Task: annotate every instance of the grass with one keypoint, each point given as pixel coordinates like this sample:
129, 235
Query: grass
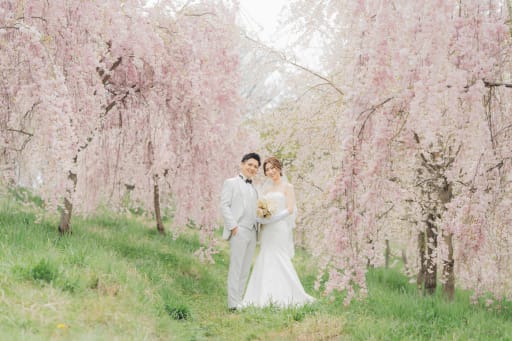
115, 278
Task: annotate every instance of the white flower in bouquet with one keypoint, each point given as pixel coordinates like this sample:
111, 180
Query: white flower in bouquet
265, 208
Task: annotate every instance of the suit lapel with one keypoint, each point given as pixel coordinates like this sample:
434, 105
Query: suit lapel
242, 192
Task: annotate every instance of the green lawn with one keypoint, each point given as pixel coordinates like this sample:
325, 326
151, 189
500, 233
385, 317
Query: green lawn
115, 278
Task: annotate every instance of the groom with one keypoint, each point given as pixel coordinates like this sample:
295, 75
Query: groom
238, 205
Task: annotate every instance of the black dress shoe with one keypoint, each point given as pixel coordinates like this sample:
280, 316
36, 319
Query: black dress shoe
232, 310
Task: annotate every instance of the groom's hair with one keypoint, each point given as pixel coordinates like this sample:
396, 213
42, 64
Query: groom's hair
252, 156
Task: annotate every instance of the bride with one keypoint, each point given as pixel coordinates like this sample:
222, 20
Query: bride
274, 280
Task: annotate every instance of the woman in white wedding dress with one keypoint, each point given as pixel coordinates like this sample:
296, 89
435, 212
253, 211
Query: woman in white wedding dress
274, 280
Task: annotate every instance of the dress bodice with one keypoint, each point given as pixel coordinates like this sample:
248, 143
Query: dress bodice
277, 200
276, 233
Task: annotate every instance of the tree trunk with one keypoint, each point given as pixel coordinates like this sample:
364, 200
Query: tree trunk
387, 253
509, 5
431, 241
448, 273
65, 217
407, 268
67, 210
404, 259
158, 216
422, 244
369, 264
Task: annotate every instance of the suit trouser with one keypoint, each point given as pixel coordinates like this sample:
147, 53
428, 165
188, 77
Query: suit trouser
242, 247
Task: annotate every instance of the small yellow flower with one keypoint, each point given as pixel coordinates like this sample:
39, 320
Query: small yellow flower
62, 326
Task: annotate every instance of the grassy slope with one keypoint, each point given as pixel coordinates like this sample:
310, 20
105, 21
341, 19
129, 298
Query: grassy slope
116, 279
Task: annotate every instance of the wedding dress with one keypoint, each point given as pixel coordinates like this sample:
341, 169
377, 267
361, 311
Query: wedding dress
274, 280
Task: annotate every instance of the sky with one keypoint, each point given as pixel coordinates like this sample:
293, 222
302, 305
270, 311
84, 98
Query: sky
258, 16
261, 16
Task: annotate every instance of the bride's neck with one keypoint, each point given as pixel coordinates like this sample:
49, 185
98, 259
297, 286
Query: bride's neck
277, 183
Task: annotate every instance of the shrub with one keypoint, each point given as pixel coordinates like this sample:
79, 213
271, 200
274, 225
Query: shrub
44, 271
178, 312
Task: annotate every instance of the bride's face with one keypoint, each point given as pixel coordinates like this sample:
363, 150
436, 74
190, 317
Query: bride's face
272, 172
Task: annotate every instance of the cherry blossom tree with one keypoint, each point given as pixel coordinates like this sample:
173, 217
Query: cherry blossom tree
422, 95
104, 97
192, 139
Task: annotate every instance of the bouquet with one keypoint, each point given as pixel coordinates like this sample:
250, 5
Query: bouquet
264, 209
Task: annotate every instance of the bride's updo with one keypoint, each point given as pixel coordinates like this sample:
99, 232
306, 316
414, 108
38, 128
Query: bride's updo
274, 161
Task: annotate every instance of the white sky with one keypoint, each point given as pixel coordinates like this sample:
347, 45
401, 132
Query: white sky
261, 16
261, 19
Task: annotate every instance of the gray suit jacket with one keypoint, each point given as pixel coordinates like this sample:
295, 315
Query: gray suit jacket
233, 204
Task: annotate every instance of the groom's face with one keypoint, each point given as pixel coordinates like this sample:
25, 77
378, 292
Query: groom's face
249, 168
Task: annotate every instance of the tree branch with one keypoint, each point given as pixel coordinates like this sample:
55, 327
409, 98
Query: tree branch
25, 142
327, 81
371, 111
497, 84
20, 131
32, 17
311, 183
382, 215
499, 164
310, 89
287, 60
116, 63
502, 130
31, 109
198, 14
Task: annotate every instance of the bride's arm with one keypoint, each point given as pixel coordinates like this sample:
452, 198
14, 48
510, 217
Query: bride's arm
275, 217
290, 207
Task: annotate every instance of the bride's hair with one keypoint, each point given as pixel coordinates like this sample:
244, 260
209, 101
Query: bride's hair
274, 161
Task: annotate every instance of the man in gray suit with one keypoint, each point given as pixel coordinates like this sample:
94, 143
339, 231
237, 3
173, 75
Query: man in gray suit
238, 205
